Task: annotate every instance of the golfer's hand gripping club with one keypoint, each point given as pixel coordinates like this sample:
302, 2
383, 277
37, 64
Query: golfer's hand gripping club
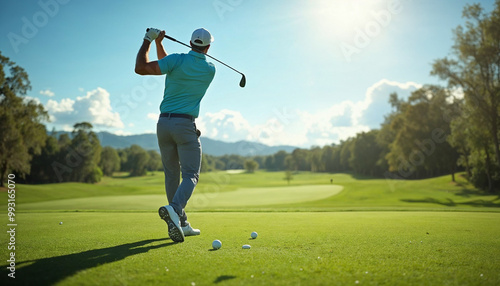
243, 80
151, 34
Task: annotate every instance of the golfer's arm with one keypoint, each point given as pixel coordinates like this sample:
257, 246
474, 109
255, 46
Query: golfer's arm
160, 51
142, 64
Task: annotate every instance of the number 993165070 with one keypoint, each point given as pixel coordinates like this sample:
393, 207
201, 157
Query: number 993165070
11, 202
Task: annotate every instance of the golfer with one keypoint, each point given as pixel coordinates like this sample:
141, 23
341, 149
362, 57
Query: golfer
187, 80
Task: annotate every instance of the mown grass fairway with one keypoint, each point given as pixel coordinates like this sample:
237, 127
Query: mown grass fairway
410, 248
111, 236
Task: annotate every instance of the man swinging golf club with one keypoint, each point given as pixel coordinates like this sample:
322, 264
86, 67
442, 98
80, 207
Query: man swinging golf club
188, 78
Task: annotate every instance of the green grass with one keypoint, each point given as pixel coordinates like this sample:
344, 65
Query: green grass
333, 248
244, 197
217, 190
355, 231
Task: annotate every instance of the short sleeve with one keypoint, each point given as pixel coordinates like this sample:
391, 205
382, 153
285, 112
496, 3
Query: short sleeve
168, 63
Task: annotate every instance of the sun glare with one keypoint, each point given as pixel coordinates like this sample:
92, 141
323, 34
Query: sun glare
341, 18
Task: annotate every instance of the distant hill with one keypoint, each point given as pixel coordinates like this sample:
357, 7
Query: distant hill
210, 146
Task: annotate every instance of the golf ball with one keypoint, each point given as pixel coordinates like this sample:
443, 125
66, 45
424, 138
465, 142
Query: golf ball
216, 244
60, 222
254, 235
246, 246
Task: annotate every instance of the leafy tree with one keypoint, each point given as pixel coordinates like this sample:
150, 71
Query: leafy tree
110, 161
330, 158
289, 163
485, 173
124, 164
459, 138
207, 163
251, 166
84, 153
475, 68
210, 163
233, 162
219, 164
288, 176
345, 155
301, 160
23, 134
279, 160
420, 148
154, 163
41, 172
269, 163
317, 164
63, 140
261, 160
137, 160
365, 154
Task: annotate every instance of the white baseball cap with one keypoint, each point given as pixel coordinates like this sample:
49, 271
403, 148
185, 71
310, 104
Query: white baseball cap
201, 37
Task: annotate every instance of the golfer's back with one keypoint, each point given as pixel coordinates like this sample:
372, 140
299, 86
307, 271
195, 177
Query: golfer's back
187, 80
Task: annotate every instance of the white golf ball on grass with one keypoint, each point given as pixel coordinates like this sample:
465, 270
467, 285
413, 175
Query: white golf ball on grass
216, 244
254, 235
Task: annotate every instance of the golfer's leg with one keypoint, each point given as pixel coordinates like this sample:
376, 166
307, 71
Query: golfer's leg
169, 158
190, 158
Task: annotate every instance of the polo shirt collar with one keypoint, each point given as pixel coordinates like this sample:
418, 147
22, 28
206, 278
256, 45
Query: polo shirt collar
196, 54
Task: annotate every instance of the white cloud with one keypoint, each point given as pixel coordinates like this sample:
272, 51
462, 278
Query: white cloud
153, 116
67, 128
65, 106
121, 133
375, 106
94, 107
324, 126
47, 92
27, 99
225, 124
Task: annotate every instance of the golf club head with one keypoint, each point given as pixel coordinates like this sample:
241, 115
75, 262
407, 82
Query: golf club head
243, 80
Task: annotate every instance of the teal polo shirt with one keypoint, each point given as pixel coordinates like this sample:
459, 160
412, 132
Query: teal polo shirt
187, 81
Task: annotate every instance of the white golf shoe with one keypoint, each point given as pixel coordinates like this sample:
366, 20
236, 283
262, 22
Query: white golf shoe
168, 214
189, 231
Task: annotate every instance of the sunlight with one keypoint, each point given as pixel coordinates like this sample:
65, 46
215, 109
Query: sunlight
340, 18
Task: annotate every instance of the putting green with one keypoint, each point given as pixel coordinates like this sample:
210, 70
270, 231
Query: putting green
246, 197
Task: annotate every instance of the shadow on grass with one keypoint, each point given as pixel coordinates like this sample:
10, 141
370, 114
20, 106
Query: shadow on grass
223, 278
450, 203
50, 271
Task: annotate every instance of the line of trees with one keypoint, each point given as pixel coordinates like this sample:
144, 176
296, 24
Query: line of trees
83, 159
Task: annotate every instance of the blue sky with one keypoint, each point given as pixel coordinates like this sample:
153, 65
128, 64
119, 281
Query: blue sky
317, 71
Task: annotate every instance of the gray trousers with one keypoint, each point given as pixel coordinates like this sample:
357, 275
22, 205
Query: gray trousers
180, 150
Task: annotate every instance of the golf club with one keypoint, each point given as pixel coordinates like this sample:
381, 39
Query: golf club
243, 80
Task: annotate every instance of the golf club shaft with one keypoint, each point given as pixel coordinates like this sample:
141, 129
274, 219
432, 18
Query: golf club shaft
175, 40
